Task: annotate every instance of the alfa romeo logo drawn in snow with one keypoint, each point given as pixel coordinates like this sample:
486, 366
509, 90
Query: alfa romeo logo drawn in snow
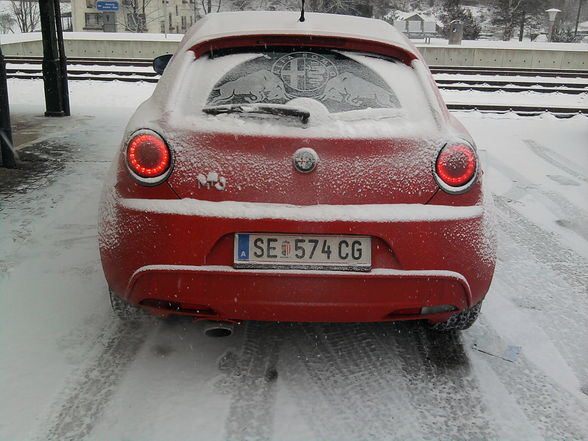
341, 84
304, 72
305, 160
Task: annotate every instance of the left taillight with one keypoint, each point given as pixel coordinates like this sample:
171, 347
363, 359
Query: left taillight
148, 158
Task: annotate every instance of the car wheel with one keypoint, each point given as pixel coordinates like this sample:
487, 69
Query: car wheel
123, 310
460, 321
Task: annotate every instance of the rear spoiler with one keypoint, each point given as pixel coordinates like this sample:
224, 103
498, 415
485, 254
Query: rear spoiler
348, 44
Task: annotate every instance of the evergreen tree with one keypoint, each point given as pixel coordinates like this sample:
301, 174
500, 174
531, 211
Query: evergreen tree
510, 13
565, 35
452, 10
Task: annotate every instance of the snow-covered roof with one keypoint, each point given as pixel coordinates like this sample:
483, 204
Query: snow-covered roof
406, 16
400, 15
228, 24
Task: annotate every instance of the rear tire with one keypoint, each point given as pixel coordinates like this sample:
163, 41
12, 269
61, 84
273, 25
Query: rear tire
460, 321
125, 311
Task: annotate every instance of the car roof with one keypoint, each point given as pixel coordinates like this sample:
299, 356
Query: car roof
233, 24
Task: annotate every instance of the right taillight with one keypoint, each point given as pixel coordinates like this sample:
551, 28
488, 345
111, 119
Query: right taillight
148, 158
456, 167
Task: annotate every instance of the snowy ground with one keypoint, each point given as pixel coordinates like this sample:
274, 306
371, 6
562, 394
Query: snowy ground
70, 371
516, 98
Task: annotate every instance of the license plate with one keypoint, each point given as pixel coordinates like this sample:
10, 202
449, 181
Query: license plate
313, 252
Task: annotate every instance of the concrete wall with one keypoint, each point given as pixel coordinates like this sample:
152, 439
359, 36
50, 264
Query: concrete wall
119, 48
97, 48
539, 58
435, 55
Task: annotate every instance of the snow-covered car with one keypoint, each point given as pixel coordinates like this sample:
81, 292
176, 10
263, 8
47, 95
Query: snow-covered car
288, 170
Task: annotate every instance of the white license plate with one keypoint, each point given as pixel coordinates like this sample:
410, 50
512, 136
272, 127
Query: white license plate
345, 253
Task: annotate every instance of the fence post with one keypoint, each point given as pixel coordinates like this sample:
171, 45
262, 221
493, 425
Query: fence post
54, 72
8, 157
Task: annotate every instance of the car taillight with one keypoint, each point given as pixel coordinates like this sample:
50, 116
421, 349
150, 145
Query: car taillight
456, 167
148, 157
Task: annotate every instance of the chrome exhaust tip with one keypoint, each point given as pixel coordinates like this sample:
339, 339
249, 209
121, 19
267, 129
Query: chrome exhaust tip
218, 329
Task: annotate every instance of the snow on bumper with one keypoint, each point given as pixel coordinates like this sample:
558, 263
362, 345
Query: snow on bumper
176, 256
320, 213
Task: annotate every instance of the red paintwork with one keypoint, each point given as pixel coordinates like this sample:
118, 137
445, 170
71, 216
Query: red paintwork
297, 297
251, 164
134, 245
162, 239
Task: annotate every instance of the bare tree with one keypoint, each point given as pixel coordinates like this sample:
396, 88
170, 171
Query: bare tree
241, 5
348, 7
6, 23
138, 14
26, 13
208, 6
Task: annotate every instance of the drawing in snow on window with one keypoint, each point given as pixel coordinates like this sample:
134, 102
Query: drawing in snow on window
338, 82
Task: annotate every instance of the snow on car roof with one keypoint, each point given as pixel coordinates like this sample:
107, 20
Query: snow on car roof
232, 24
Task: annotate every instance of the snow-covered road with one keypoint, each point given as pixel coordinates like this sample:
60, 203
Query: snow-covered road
69, 370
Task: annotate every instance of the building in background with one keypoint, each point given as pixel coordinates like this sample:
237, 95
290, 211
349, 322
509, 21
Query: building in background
66, 22
158, 16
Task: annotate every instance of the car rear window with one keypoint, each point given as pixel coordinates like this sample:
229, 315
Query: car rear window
340, 83
345, 94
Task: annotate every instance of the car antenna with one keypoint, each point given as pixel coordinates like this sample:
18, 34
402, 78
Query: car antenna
302, 12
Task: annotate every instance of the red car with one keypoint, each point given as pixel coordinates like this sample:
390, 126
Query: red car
289, 170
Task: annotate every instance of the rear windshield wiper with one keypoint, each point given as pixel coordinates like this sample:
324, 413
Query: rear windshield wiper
271, 109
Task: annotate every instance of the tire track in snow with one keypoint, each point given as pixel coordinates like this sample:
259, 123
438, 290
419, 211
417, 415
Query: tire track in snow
549, 407
444, 392
83, 401
253, 384
323, 409
573, 217
543, 245
350, 390
554, 158
555, 286
559, 309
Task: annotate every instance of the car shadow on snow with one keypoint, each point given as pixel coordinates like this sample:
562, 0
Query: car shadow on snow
443, 351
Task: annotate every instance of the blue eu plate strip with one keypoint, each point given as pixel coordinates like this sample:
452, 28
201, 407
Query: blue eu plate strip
243, 247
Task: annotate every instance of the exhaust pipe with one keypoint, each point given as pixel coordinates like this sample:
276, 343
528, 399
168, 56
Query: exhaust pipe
218, 329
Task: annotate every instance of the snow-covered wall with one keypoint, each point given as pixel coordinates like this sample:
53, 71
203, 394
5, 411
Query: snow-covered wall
518, 57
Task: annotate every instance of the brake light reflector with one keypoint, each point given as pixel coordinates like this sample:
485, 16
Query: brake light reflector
456, 165
148, 156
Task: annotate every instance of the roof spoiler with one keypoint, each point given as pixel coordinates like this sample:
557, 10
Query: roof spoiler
349, 44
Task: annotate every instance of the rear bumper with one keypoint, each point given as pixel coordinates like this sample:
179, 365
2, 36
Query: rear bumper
176, 257
221, 292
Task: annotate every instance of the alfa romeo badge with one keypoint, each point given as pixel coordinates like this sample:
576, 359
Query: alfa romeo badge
305, 160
